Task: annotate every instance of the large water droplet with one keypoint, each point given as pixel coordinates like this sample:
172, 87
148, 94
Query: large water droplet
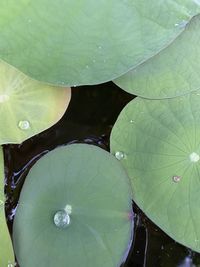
61, 219
24, 125
194, 157
119, 155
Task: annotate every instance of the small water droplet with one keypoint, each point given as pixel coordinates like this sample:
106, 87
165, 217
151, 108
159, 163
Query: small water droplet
87, 67
68, 209
176, 178
194, 157
132, 121
24, 125
61, 219
4, 98
181, 24
119, 155
94, 60
100, 47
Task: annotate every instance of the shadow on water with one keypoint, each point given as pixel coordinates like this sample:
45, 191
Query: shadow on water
89, 119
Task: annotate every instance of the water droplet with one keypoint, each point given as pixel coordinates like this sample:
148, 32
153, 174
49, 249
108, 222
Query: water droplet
61, 219
24, 125
132, 121
4, 98
176, 178
119, 155
100, 47
74, 85
68, 209
181, 24
87, 67
194, 157
94, 60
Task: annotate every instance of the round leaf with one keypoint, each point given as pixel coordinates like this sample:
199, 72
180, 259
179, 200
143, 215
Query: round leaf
74, 210
6, 249
87, 42
172, 72
160, 141
27, 107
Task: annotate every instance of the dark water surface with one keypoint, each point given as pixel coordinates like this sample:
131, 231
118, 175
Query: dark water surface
92, 112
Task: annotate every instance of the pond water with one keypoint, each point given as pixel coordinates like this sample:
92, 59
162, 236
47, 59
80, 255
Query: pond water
89, 119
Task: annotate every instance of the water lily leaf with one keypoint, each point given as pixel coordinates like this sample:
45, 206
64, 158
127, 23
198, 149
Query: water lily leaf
172, 72
27, 107
87, 42
74, 209
6, 249
159, 144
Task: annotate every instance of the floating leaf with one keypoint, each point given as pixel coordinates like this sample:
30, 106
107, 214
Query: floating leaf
87, 42
6, 249
27, 107
160, 140
172, 72
74, 210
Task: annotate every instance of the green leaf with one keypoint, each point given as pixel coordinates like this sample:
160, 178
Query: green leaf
6, 249
87, 42
160, 142
172, 72
27, 107
92, 189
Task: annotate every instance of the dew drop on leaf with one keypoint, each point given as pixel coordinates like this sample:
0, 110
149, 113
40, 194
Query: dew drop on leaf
24, 125
61, 219
176, 178
119, 155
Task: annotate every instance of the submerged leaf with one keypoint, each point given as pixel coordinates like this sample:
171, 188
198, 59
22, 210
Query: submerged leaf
75, 210
161, 141
172, 72
87, 42
6, 249
27, 107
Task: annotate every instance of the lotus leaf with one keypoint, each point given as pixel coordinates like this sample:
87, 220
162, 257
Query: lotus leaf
75, 210
160, 144
6, 249
27, 107
87, 42
172, 72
